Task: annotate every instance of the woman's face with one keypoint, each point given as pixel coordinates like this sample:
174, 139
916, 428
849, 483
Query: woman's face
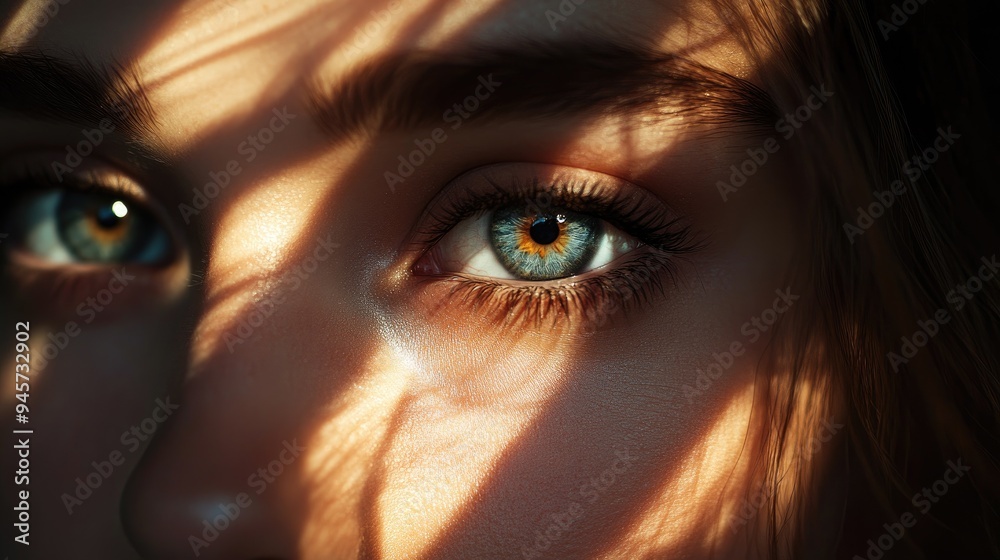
407, 280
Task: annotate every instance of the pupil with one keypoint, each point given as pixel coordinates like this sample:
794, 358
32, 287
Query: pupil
106, 217
545, 230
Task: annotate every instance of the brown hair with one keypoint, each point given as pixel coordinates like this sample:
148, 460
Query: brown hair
901, 81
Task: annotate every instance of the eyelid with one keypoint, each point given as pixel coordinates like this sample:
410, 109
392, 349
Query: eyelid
92, 175
626, 206
35, 172
114, 182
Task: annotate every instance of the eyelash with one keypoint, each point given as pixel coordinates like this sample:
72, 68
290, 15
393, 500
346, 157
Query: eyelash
590, 297
31, 177
64, 285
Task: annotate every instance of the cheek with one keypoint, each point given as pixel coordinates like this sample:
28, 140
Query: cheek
479, 436
462, 399
99, 382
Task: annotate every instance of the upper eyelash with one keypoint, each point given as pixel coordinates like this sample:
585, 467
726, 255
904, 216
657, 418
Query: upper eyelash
39, 177
652, 226
27, 178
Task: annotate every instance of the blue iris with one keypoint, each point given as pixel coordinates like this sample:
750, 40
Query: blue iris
547, 246
92, 231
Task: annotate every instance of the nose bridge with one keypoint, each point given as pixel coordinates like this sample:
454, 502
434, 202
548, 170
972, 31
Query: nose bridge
260, 297
223, 478
282, 333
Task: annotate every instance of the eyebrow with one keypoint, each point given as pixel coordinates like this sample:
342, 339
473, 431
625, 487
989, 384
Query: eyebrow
76, 90
536, 80
409, 90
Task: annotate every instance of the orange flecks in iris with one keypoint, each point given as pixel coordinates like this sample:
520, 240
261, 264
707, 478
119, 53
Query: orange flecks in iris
102, 233
529, 246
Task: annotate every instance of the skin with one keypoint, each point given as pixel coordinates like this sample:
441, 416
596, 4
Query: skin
428, 430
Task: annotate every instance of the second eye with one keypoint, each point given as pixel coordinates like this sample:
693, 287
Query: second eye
85, 227
516, 243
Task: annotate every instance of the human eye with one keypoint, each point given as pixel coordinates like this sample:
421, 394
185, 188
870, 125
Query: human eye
539, 242
80, 227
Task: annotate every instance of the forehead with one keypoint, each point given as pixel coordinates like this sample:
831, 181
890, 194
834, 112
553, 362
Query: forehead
206, 62
408, 23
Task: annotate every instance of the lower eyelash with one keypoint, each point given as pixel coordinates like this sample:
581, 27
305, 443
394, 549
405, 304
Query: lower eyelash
588, 303
57, 290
